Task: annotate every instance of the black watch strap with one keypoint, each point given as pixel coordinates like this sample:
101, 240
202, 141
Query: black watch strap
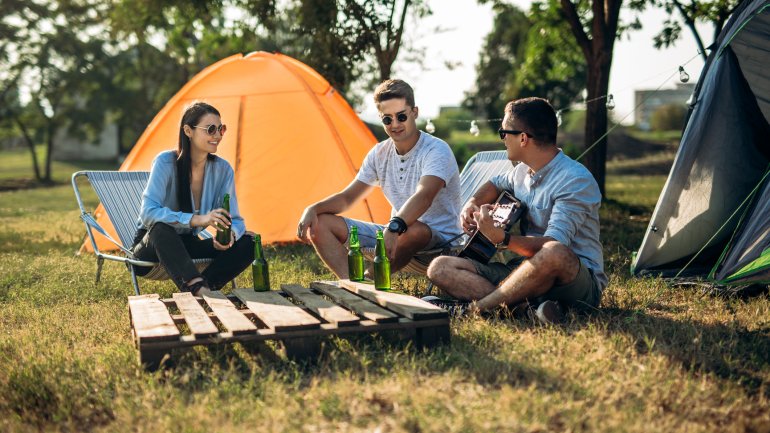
398, 224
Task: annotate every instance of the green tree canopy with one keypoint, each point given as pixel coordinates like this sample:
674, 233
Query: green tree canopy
526, 55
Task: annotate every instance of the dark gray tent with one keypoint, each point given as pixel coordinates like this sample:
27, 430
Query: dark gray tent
713, 216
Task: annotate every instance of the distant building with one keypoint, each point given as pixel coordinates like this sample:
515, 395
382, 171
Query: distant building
647, 101
104, 148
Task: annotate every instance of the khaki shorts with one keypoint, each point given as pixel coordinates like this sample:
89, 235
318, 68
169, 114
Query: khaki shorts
582, 293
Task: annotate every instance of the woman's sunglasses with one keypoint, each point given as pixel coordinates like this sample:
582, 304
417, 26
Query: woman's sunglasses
212, 129
401, 117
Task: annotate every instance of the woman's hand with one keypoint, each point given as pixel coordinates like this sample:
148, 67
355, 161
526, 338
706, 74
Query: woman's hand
217, 218
221, 247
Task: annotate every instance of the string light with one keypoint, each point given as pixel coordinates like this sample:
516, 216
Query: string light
610, 102
474, 129
430, 128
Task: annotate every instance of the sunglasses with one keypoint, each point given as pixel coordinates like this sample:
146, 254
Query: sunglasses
502, 133
212, 129
401, 117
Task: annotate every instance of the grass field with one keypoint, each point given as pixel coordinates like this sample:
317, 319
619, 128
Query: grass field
652, 359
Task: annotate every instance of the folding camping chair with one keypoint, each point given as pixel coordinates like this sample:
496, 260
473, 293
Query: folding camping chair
482, 167
120, 193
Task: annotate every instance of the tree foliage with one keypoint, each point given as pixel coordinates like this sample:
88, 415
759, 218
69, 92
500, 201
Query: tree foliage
715, 12
73, 64
55, 57
499, 62
526, 55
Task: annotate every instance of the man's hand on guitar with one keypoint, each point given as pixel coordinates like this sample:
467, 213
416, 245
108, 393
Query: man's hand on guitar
487, 224
467, 219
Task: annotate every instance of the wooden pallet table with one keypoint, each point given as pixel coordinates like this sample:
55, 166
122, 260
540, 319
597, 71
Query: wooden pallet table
297, 316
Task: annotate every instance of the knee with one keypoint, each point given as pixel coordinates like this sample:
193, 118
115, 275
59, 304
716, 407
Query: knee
328, 224
554, 255
438, 268
245, 246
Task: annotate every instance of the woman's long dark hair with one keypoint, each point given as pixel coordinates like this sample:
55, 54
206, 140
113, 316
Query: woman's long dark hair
192, 115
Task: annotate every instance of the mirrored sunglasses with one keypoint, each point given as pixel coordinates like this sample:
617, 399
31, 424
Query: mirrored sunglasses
212, 129
401, 117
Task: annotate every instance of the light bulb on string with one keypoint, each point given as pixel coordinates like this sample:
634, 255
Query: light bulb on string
558, 118
430, 128
683, 75
474, 129
584, 94
610, 102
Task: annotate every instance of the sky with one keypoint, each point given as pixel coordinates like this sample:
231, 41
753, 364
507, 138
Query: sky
637, 65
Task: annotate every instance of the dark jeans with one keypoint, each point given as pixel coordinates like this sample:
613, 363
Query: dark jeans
175, 251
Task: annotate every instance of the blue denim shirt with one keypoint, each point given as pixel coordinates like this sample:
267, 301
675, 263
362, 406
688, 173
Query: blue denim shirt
563, 202
160, 204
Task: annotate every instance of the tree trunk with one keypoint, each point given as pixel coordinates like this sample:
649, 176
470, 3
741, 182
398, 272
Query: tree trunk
31, 145
596, 118
49, 153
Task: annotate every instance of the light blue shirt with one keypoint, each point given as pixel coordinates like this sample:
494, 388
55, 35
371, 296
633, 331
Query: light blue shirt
160, 204
563, 202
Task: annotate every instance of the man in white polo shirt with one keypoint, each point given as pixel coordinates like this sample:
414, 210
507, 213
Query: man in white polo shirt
418, 175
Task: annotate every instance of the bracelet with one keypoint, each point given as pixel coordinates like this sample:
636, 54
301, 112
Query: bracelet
504, 243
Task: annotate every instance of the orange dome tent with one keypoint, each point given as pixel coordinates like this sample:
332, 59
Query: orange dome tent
291, 138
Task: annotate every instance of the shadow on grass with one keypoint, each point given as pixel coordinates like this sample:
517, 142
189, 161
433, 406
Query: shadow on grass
731, 352
363, 357
12, 242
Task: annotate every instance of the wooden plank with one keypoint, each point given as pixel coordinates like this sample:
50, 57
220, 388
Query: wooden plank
231, 318
194, 315
151, 319
275, 311
327, 310
409, 306
356, 303
366, 326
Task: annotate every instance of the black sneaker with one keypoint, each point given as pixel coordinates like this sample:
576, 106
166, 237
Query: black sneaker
455, 307
549, 313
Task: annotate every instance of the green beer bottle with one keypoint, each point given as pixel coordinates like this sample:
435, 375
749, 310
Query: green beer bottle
355, 257
223, 233
259, 267
381, 265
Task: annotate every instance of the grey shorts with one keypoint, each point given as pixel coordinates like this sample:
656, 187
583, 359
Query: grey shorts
582, 293
367, 234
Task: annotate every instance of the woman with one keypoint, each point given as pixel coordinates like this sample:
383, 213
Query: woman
184, 196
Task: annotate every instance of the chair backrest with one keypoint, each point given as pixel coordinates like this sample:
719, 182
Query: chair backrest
121, 195
482, 167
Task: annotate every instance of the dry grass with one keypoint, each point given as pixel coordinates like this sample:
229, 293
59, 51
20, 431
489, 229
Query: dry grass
653, 358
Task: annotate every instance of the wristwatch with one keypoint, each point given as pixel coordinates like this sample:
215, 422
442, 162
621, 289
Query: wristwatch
397, 225
504, 243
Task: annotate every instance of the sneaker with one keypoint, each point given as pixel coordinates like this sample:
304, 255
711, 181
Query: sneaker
455, 307
521, 311
549, 313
